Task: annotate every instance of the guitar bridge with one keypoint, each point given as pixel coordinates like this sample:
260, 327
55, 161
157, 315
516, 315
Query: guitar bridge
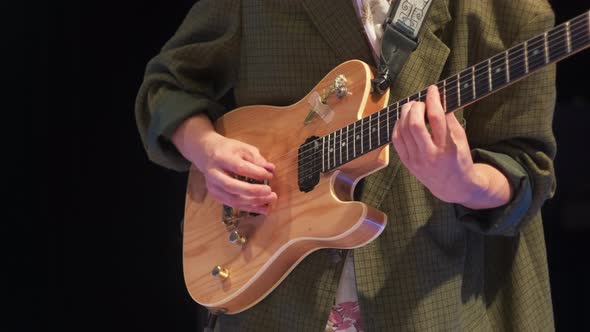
231, 216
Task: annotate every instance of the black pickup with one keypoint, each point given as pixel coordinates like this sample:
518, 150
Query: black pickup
308, 162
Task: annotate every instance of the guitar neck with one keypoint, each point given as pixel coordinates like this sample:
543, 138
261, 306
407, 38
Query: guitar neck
460, 90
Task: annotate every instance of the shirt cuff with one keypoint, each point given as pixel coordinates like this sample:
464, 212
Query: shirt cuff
506, 219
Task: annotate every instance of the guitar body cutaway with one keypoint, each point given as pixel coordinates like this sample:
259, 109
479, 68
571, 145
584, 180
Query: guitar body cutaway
300, 222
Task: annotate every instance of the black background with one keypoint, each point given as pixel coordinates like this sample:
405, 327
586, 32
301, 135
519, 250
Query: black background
110, 255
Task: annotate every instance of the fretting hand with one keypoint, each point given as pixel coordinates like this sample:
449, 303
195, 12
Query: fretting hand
442, 160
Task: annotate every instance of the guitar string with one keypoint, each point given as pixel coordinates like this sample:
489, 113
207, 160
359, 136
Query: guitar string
332, 159
452, 79
504, 56
513, 67
339, 158
366, 131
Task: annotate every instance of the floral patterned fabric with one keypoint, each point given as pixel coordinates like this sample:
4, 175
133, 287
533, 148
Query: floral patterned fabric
345, 314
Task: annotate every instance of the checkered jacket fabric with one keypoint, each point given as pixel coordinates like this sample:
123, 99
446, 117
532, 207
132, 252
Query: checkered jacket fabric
437, 266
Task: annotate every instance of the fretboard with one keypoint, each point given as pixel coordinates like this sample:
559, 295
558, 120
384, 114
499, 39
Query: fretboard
459, 90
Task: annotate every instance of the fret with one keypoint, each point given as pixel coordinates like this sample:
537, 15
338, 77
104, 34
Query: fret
445, 95
463, 88
362, 135
473, 83
490, 75
535, 51
458, 79
342, 146
526, 58
347, 145
568, 37
329, 152
507, 66
370, 131
482, 79
546, 48
582, 32
388, 121
517, 68
351, 144
557, 43
378, 130
451, 93
354, 140
324, 169
466, 91
374, 131
507, 69
384, 129
498, 70
334, 149
338, 148
388, 117
367, 134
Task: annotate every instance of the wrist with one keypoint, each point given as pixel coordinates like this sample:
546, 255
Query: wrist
193, 137
485, 187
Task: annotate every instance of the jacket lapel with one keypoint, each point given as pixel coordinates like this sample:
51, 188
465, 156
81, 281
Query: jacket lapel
423, 67
338, 23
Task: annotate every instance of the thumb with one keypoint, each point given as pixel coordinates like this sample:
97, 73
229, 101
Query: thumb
253, 155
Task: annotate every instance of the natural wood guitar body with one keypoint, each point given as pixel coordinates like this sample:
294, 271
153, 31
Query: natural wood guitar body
327, 217
299, 223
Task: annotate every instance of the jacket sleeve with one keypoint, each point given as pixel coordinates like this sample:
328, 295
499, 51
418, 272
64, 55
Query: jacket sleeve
512, 130
193, 71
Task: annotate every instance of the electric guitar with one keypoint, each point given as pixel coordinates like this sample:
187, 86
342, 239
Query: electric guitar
233, 259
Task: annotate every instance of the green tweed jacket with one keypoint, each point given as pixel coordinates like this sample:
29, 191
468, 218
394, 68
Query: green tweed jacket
437, 266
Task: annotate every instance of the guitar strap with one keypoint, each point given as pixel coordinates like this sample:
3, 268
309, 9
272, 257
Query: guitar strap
400, 39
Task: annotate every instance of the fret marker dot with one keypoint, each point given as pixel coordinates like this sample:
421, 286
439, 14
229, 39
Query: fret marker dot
343, 143
374, 129
498, 70
331, 149
466, 86
358, 136
535, 52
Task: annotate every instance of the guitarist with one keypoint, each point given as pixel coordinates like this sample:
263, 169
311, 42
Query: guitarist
464, 247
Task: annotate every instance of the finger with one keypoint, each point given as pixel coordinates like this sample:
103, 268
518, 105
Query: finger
453, 123
253, 155
456, 132
247, 168
262, 209
245, 203
417, 126
227, 183
404, 130
436, 116
398, 142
